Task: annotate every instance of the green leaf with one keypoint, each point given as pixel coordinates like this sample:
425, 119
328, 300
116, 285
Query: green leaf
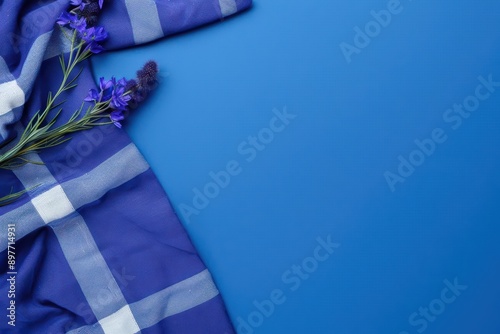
14, 196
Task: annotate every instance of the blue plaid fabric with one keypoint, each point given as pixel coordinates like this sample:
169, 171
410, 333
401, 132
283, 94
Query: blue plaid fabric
97, 244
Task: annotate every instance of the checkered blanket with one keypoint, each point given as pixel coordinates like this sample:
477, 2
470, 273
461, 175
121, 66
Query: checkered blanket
96, 247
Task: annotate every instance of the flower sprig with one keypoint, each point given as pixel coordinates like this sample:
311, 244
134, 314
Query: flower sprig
107, 105
11, 197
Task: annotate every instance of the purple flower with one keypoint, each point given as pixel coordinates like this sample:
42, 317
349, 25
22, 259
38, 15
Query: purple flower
89, 10
92, 96
66, 18
93, 34
116, 116
105, 92
74, 22
106, 87
78, 3
131, 85
94, 47
105, 84
123, 82
147, 75
118, 100
80, 25
100, 34
118, 93
145, 83
82, 4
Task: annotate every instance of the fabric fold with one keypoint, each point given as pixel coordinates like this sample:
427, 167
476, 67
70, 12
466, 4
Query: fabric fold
98, 246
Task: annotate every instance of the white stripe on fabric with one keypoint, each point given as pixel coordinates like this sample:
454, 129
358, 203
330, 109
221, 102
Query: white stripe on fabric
32, 175
94, 184
175, 299
5, 74
120, 322
26, 219
5, 119
58, 44
227, 7
85, 260
79, 248
13, 93
33, 61
144, 19
53, 204
11, 96
82, 190
42, 209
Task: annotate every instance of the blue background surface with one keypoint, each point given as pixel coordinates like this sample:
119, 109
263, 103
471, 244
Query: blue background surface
323, 175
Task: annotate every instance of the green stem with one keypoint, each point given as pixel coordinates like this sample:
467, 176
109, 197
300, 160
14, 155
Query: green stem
37, 134
35, 131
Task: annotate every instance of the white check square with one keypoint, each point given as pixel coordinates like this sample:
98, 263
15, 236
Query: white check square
11, 96
53, 204
120, 322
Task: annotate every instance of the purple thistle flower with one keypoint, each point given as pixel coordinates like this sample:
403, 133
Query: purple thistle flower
130, 86
146, 82
90, 12
139, 95
147, 75
88, 9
